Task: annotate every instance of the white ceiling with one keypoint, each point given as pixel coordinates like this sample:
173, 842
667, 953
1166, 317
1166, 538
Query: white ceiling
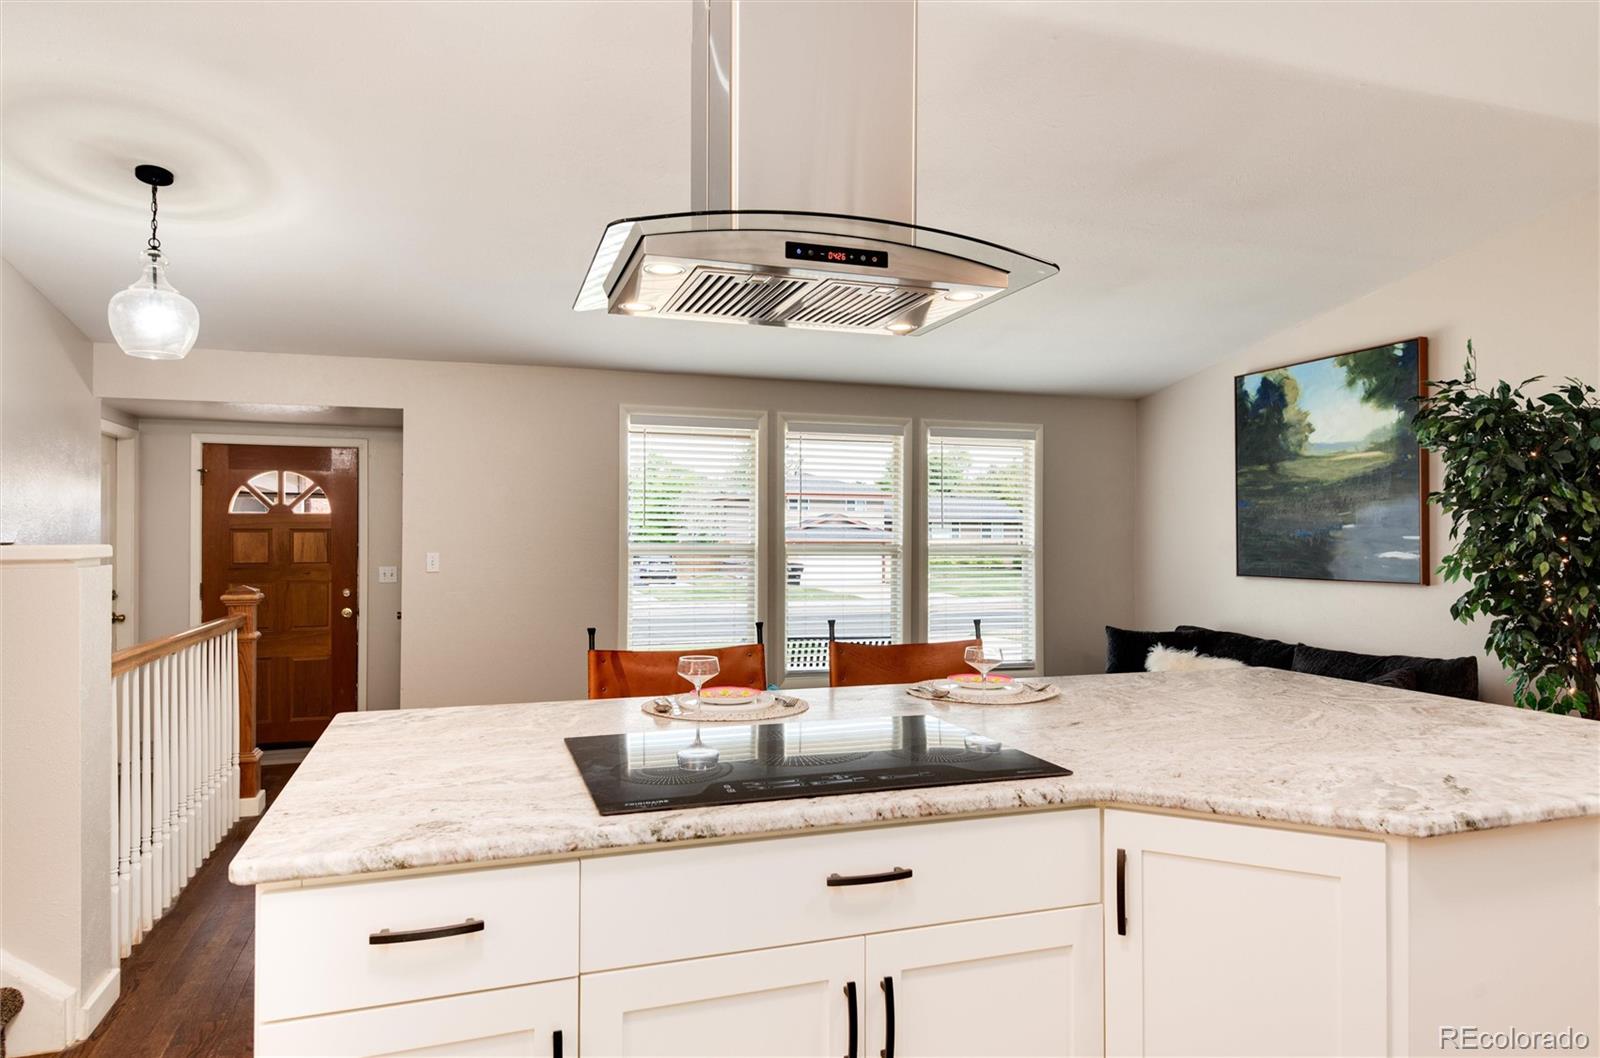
429, 180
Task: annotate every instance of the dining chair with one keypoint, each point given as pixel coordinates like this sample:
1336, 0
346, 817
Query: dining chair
857, 664
636, 673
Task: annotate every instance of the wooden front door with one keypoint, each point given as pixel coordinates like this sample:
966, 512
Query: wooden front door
283, 518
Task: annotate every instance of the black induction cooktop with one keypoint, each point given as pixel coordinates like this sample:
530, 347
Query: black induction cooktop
717, 764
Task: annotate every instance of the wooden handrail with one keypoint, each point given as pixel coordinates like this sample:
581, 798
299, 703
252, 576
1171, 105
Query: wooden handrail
144, 653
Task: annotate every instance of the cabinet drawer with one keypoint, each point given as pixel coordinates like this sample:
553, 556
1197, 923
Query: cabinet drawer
315, 952
683, 903
506, 1023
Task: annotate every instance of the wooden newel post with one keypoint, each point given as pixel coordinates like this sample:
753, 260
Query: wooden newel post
241, 601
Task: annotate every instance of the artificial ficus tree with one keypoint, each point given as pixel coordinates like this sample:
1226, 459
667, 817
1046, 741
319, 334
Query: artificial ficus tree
1522, 489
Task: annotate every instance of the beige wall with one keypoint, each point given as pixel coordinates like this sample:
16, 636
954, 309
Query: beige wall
1530, 302
166, 476
512, 475
49, 422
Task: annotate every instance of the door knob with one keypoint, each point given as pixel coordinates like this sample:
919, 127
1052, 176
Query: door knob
347, 612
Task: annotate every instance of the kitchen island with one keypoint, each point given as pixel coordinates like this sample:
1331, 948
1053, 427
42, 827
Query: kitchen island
1248, 860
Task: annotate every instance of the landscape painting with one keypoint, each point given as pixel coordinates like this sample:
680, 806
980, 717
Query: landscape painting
1329, 480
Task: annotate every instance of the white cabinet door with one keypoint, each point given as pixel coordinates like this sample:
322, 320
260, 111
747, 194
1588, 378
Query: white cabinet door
1240, 940
801, 1000
1019, 985
534, 1021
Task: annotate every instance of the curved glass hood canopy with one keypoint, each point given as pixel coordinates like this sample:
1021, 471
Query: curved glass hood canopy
822, 271
812, 107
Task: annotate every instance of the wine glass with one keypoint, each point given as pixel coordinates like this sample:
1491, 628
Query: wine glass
697, 669
981, 658
984, 660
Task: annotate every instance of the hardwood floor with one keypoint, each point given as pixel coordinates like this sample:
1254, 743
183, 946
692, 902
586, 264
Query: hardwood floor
188, 988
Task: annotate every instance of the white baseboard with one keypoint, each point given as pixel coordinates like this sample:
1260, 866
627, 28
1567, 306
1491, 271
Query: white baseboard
47, 1021
253, 806
98, 1002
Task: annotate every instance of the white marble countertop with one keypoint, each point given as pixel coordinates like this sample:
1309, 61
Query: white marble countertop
424, 787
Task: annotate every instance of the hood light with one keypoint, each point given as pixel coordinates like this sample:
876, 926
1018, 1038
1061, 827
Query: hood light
902, 328
661, 268
963, 295
636, 306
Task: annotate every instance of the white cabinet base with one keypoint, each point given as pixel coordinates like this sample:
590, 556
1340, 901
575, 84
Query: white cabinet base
1243, 940
760, 1004
505, 1023
1021, 985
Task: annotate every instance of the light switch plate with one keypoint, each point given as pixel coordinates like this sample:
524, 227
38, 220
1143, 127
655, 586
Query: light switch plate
433, 562
388, 574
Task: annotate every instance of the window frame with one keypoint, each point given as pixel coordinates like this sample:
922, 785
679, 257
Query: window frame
779, 622
1010, 430
626, 412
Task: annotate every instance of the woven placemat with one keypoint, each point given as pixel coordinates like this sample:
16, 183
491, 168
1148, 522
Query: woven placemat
774, 708
1020, 696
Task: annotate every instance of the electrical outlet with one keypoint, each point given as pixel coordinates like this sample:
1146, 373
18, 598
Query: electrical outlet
432, 562
388, 574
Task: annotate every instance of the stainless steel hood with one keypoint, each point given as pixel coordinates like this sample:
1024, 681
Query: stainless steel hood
810, 108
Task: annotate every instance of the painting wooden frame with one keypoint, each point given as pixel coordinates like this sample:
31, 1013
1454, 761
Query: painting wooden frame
1265, 542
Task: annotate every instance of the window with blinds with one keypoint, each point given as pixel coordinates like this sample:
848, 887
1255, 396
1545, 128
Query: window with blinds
692, 531
981, 538
844, 537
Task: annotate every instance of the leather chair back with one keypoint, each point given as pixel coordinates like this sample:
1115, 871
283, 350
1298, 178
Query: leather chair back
855, 664
636, 673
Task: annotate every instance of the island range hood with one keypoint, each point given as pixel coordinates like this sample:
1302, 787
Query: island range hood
803, 180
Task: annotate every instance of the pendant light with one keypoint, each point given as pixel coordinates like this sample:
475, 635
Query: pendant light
151, 319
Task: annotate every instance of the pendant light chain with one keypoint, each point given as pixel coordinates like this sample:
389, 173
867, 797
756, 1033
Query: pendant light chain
155, 242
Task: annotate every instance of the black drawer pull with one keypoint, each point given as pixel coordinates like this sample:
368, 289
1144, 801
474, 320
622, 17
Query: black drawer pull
850, 1005
888, 1019
898, 874
555, 1044
406, 936
1122, 892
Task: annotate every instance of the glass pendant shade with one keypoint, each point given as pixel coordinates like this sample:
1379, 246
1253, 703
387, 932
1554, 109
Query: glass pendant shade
150, 319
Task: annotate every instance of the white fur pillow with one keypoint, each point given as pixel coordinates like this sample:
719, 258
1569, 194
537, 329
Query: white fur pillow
1167, 659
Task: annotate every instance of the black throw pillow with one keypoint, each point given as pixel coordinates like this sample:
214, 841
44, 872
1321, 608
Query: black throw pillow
1126, 649
1252, 650
1454, 677
1405, 679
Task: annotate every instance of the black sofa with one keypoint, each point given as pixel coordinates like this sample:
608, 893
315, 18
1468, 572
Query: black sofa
1126, 650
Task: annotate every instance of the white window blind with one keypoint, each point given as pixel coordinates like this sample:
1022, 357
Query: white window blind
843, 537
693, 510
981, 538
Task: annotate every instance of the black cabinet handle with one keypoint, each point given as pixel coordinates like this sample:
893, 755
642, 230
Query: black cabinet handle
888, 1018
406, 936
850, 1005
895, 875
555, 1044
1122, 892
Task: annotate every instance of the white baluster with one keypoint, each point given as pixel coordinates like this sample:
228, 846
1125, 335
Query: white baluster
186, 779
146, 811
167, 772
119, 813
230, 702
214, 781
208, 778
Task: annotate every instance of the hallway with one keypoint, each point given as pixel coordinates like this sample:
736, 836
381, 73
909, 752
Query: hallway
188, 988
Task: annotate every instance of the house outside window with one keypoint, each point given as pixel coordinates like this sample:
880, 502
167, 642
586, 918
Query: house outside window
844, 536
982, 535
692, 530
